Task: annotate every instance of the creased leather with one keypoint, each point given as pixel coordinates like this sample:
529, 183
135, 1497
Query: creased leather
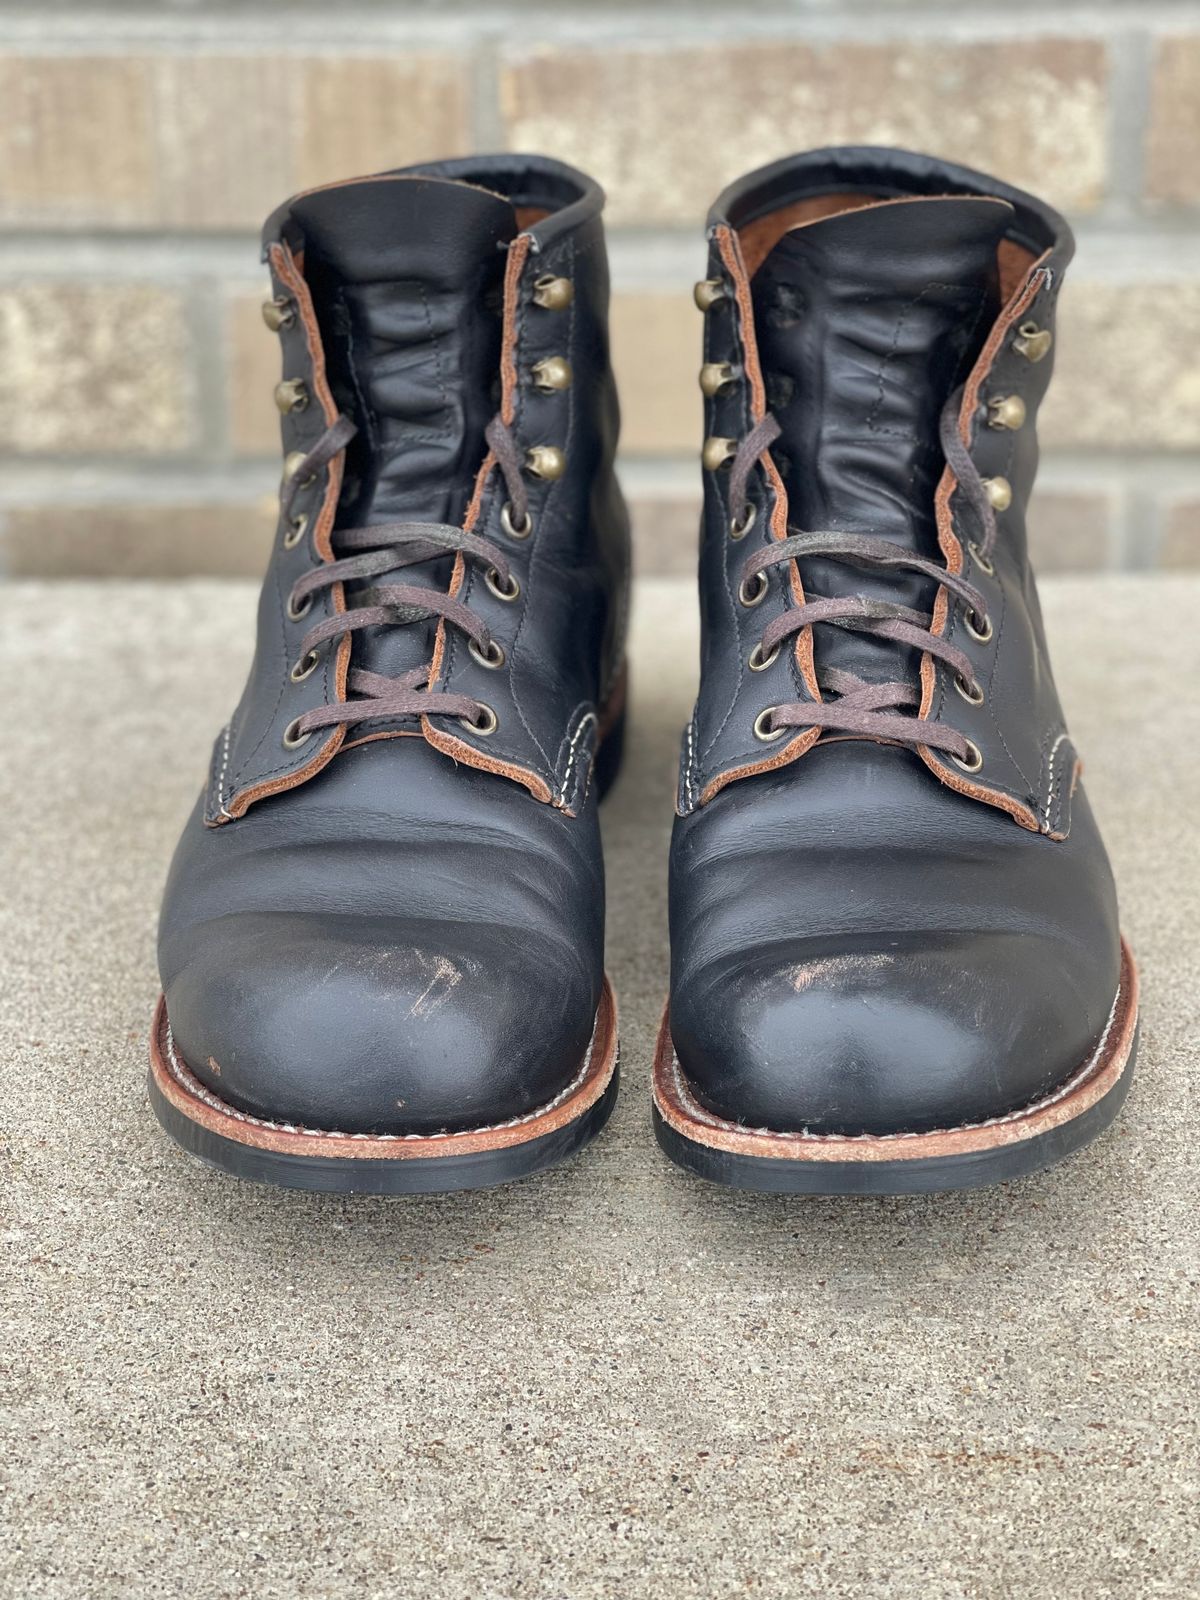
350, 942
564, 639
856, 946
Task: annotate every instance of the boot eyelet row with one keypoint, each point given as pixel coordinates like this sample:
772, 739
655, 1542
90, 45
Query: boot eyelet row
972, 761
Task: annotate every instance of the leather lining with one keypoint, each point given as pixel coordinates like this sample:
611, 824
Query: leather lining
759, 237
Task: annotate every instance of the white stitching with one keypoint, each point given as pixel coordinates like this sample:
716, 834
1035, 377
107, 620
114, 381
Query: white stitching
689, 787
198, 1091
568, 770
225, 742
1050, 781
698, 1113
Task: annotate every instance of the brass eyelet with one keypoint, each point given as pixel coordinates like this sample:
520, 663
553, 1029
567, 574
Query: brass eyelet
980, 560
492, 658
717, 453
486, 726
999, 492
551, 293
305, 667
980, 629
739, 527
279, 313
707, 292
1006, 412
292, 737
757, 662
972, 693
551, 374
763, 729
1033, 342
296, 530
515, 530
753, 596
495, 586
973, 759
292, 463
545, 461
291, 395
716, 377
297, 612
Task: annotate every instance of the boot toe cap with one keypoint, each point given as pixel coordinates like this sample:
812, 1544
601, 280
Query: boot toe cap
906, 1037
379, 1025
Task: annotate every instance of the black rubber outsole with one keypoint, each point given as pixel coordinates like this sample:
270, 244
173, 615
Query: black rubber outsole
385, 1175
974, 1169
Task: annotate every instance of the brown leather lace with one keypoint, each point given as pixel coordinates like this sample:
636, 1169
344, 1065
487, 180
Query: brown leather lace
366, 553
872, 709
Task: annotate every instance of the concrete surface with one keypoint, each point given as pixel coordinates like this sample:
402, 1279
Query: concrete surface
612, 1380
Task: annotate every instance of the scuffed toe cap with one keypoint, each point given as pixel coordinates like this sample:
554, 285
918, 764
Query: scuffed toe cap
906, 1037
378, 1025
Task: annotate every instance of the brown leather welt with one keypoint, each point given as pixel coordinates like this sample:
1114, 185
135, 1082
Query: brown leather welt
951, 548
183, 1090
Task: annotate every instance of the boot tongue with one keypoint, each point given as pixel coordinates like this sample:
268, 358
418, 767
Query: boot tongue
407, 279
407, 276
867, 321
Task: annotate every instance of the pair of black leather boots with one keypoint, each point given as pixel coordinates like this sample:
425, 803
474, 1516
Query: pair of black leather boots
896, 963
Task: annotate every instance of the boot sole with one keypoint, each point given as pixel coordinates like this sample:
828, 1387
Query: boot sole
366, 1163
966, 1157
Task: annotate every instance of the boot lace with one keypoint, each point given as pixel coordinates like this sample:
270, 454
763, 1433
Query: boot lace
861, 706
366, 553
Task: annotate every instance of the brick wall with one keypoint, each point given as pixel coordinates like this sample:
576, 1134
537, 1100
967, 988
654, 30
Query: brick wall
141, 148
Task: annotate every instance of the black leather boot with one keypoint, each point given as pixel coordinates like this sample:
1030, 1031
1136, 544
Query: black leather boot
895, 961
382, 938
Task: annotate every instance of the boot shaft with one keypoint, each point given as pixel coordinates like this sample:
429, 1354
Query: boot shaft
417, 306
865, 300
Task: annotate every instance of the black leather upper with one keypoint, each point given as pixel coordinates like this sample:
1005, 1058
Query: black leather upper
351, 941
864, 938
